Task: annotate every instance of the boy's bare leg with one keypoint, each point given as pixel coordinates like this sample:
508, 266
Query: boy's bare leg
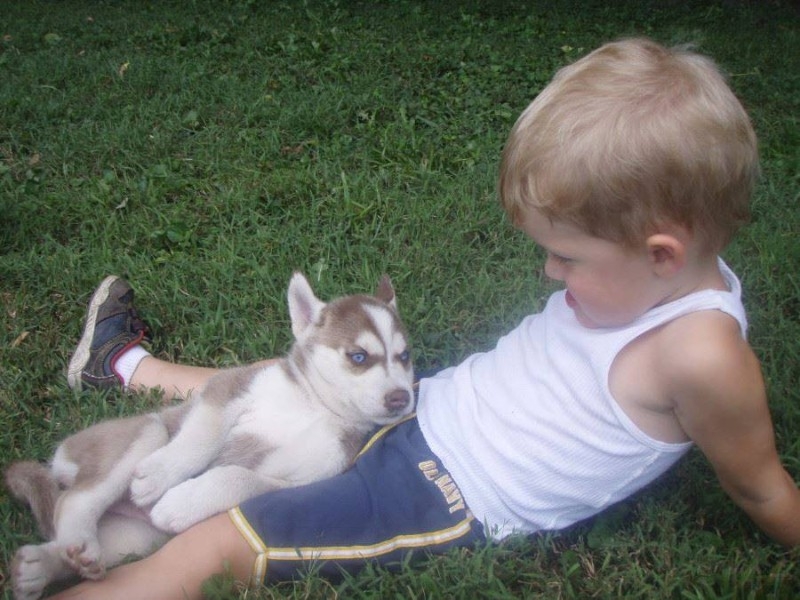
109, 352
175, 380
177, 571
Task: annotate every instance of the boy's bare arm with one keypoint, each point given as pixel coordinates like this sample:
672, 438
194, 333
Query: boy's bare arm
720, 402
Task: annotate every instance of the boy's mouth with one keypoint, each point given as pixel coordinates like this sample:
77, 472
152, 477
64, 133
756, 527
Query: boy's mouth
571, 302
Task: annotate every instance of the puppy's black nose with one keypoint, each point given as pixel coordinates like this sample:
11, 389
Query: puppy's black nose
397, 400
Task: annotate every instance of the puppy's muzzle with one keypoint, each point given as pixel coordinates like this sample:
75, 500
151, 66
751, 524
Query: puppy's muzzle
397, 400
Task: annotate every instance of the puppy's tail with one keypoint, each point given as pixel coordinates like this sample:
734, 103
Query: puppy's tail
31, 482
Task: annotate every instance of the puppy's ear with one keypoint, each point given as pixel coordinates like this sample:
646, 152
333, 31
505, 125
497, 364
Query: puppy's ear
304, 306
385, 292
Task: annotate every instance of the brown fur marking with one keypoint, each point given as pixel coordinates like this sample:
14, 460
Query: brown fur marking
247, 451
352, 443
91, 450
229, 384
172, 417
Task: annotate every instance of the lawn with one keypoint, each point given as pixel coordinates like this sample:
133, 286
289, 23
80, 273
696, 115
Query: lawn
205, 150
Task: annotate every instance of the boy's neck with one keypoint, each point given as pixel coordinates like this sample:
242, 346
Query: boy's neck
698, 275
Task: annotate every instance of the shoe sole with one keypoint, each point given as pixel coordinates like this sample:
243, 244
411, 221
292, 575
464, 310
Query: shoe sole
82, 353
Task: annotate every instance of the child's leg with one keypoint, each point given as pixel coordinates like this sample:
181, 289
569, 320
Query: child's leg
110, 354
178, 570
396, 500
176, 381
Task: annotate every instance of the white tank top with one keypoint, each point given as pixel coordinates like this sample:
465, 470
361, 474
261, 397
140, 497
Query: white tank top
530, 432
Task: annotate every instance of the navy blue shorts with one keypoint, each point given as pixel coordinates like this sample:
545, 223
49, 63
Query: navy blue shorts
395, 500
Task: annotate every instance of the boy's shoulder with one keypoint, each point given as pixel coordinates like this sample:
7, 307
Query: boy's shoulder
710, 374
704, 349
697, 365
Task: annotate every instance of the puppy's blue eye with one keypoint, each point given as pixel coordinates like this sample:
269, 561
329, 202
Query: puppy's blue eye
358, 358
404, 356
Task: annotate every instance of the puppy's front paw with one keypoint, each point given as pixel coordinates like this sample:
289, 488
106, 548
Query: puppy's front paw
150, 481
174, 512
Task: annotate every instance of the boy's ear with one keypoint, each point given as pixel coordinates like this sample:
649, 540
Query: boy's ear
667, 254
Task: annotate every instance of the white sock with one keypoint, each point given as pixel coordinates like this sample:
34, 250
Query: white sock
128, 362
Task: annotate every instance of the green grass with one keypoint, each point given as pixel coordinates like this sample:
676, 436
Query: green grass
206, 149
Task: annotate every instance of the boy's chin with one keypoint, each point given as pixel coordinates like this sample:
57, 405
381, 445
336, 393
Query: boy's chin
598, 322
585, 321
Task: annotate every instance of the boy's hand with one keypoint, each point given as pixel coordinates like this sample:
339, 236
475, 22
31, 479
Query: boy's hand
720, 402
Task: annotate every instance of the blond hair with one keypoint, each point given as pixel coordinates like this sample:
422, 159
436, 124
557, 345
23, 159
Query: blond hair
629, 137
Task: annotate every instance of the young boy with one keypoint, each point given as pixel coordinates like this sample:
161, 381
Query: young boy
632, 170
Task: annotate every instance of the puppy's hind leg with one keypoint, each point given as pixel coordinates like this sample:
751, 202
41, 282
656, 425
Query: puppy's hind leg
97, 485
123, 537
36, 567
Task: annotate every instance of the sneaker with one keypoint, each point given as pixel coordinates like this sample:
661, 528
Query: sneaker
112, 326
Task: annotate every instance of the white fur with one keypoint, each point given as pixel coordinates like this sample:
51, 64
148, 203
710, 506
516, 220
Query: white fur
290, 423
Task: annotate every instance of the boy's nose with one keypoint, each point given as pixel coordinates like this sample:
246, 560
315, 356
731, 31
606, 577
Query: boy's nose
553, 269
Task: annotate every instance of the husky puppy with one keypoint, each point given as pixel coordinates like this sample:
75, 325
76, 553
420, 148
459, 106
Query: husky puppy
121, 487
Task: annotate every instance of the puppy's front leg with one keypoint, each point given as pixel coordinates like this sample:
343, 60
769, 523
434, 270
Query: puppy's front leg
197, 443
211, 493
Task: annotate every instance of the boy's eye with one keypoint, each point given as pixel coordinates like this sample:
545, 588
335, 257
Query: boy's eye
358, 358
559, 258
